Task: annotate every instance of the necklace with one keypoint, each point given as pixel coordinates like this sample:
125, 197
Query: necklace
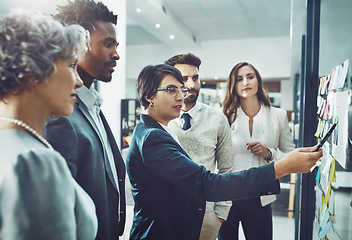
28, 128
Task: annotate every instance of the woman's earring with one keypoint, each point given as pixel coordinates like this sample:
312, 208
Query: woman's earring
151, 104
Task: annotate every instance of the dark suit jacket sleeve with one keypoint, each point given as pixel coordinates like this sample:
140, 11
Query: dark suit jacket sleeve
166, 159
62, 136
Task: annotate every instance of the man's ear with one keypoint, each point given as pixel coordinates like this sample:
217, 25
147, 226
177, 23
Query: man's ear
88, 52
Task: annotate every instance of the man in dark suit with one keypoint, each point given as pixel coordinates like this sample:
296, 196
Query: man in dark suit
85, 138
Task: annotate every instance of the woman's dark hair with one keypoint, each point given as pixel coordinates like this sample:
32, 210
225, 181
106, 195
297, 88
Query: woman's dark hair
232, 101
150, 78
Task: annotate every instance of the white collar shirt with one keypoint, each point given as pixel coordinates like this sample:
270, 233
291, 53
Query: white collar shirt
193, 112
93, 101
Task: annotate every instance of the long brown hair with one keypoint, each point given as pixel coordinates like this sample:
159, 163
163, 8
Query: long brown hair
232, 101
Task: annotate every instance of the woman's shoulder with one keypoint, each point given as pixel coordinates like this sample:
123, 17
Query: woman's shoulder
276, 110
277, 113
15, 145
145, 132
33, 166
143, 128
41, 160
23, 151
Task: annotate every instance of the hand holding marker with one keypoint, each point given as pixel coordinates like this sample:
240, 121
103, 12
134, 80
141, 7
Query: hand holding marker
326, 137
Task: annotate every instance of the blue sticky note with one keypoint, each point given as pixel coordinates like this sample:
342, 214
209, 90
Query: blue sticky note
317, 178
325, 229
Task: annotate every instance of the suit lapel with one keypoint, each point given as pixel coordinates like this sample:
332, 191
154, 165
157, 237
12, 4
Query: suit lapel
119, 163
149, 121
268, 124
87, 115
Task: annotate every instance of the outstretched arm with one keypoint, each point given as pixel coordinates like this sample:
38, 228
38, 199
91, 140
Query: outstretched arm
300, 160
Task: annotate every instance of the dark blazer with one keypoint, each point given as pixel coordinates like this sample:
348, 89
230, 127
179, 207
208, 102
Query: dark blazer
78, 139
170, 190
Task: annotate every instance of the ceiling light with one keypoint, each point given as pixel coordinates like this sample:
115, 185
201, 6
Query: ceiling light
172, 37
216, 78
138, 10
157, 25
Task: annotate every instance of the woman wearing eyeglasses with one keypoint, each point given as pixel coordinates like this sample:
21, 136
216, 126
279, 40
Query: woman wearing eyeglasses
169, 189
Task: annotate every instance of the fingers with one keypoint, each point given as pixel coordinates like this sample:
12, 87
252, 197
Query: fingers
257, 148
317, 154
250, 145
312, 157
300, 160
308, 149
311, 153
254, 147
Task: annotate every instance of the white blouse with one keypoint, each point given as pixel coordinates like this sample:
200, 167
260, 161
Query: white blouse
244, 159
270, 128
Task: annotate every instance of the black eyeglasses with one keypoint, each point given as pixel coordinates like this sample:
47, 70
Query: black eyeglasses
173, 91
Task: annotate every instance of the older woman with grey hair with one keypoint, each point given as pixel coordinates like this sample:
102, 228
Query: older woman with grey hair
39, 199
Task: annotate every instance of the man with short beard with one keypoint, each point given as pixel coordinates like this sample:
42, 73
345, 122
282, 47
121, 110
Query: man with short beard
85, 138
206, 137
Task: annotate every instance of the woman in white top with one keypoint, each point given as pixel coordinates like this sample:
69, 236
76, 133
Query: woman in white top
260, 134
39, 199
